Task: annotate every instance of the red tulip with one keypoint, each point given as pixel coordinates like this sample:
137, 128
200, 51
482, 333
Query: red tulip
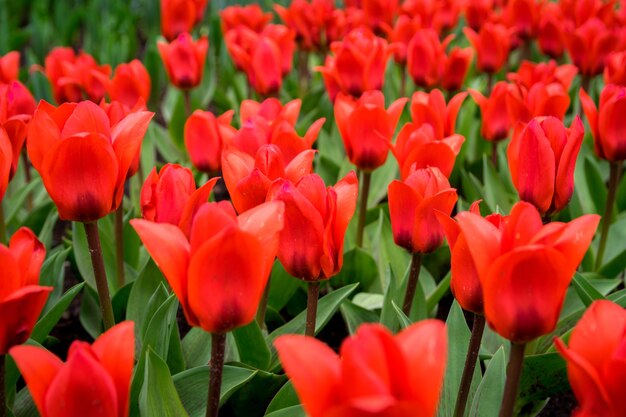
424, 56
531, 73
401, 34
465, 284
578, 12
615, 68
607, 124
6, 161
82, 159
21, 297
249, 179
320, 213
542, 158
250, 16
454, 68
357, 65
540, 100
595, 360
17, 106
184, 60
94, 381
492, 44
412, 206
441, 15
477, 12
495, 118
523, 17
367, 128
203, 139
220, 272
9, 67
376, 374
589, 46
417, 147
170, 196
75, 77
551, 36
308, 20
431, 108
380, 12
179, 16
526, 268
271, 110
131, 85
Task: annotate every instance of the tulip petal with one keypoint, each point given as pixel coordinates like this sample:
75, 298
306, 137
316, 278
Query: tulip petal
193, 204
87, 117
29, 253
564, 187
20, 312
486, 239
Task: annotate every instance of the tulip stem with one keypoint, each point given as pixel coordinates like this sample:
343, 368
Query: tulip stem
402, 80
102, 285
311, 308
216, 365
3, 399
489, 84
187, 96
608, 211
119, 243
411, 286
303, 70
470, 364
260, 314
3, 228
28, 177
365, 191
513, 374
494, 154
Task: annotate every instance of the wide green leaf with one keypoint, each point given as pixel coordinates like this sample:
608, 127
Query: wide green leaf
159, 397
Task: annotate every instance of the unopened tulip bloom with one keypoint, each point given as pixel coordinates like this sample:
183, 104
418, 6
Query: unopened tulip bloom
203, 139
21, 297
220, 272
526, 254
249, 179
376, 373
615, 69
17, 106
320, 213
595, 360
551, 36
539, 100
401, 34
250, 16
357, 65
82, 159
589, 45
424, 56
542, 159
523, 17
477, 12
607, 122
495, 124
131, 85
418, 147
6, 161
170, 196
179, 16
454, 68
184, 60
412, 206
492, 44
94, 381
367, 128
9, 67
380, 12
431, 108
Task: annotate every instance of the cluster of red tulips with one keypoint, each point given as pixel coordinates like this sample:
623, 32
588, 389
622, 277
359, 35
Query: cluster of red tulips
217, 252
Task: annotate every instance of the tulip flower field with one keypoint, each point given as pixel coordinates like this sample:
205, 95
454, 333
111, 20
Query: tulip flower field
322, 208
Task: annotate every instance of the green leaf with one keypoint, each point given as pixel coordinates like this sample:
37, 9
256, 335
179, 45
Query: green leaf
488, 396
286, 397
543, 376
52, 274
193, 386
196, 348
615, 266
585, 290
595, 184
83, 258
496, 194
358, 267
282, 287
158, 396
24, 405
51, 318
252, 346
355, 315
143, 289
404, 320
294, 411
381, 178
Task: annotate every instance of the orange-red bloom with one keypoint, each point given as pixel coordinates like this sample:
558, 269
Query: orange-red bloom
607, 123
308, 20
523, 17
320, 213
542, 158
379, 13
412, 206
525, 267
431, 108
248, 178
220, 272
9, 67
477, 12
6, 161
82, 159
184, 60
417, 147
17, 106
131, 85
367, 128
551, 36
464, 283
495, 124
357, 65
21, 297
531, 73
492, 44
170, 196
94, 381
178, 16
589, 46
595, 360
376, 374
250, 16
424, 54
539, 100
76, 77
271, 110
401, 34
615, 69
203, 139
